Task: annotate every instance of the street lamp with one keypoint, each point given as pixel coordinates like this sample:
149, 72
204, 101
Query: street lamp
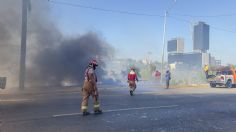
164, 39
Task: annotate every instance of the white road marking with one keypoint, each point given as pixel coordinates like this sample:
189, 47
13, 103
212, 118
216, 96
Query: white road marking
117, 110
14, 100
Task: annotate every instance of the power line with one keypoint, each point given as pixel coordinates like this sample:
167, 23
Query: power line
143, 14
213, 27
209, 16
226, 30
104, 10
135, 13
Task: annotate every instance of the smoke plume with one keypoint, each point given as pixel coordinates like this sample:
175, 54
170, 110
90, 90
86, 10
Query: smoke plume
68, 61
51, 58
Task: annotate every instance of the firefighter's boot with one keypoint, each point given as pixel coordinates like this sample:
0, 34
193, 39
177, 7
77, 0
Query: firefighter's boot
131, 92
98, 111
85, 113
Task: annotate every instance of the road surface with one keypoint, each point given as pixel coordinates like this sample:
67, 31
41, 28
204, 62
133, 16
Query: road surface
151, 109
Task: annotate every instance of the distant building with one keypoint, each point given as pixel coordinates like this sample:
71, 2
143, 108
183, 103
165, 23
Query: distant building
176, 45
201, 37
193, 60
196, 59
214, 62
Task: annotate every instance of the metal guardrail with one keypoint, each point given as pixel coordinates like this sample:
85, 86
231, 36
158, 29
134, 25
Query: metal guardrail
3, 81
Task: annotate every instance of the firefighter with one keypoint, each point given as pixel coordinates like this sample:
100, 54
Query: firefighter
90, 88
206, 69
132, 77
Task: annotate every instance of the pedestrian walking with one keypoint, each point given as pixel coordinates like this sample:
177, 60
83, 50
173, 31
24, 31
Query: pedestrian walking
168, 78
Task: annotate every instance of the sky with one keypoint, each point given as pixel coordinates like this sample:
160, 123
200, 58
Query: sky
135, 27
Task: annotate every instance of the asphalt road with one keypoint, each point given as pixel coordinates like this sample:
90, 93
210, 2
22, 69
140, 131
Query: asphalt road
151, 109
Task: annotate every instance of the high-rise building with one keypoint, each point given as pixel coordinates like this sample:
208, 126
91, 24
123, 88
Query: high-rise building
176, 45
196, 59
201, 37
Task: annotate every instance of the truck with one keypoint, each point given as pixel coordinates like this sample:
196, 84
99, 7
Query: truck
224, 76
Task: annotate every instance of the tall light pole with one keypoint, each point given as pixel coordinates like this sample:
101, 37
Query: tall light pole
164, 39
25, 4
163, 50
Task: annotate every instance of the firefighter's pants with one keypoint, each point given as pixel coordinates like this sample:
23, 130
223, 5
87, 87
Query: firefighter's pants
206, 73
132, 85
89, 89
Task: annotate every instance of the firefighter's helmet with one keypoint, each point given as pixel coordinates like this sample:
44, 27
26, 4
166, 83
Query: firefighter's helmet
93, 62
132, 68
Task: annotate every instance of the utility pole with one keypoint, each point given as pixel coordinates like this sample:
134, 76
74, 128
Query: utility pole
25, 4
164, 40
163, 50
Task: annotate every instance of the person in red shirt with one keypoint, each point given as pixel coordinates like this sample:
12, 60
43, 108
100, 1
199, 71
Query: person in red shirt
132, 77
157, 74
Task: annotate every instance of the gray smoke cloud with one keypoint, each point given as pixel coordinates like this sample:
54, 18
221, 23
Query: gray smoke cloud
52, 58
9, 39
68, 61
